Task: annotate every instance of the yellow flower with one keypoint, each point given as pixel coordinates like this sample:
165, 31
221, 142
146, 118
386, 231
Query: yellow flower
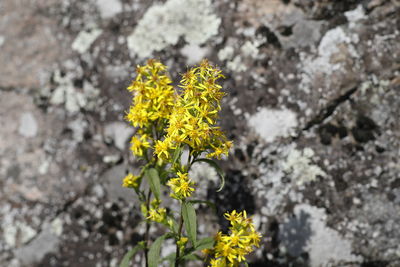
138, 143
182, 242
233, 247
157, 215
181, 186
131, 181
161, 149
194, 116
153, 94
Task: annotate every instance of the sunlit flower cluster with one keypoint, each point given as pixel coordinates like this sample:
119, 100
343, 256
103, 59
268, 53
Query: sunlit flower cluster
155, 213
181, 186
153, 95
230, 249
187, 116
195, 114
174, 129
130, 181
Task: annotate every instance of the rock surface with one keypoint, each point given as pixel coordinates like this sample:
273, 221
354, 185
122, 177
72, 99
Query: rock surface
313, 109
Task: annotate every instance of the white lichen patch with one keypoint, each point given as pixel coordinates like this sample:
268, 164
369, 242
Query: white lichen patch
355, 15
334, 49
300, 167
118, 133
325, 245
74, 100
56, 226
28, 126
250, 48
272, 123
328, 46
163, 24
2, 40
194, 53
226, 53
236, 65
18, 233
109, 8
85, 39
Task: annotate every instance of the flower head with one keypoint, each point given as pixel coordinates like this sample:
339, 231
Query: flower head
138, 144
131, 181
181, 186
231, 249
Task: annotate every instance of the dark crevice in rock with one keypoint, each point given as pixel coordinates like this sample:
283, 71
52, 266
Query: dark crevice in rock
329, 109
270, 35
69, 203
286, 30
328, 131
365, 129
236, 195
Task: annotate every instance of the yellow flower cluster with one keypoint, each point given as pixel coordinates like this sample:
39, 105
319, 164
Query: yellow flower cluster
153, 95
139, 143
181, 186
130, 181
186, 118
230, 250
194, 115
153, 100
169, 120
155, 213
182, 242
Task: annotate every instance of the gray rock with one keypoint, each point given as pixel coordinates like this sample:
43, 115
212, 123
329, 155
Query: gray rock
46, 242
112, 181
28, 126
119, 133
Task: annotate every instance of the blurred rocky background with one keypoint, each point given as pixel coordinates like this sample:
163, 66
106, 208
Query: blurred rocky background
313, 107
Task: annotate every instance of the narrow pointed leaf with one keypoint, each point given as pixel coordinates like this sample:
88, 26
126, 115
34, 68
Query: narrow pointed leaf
217, 168
191, 257
128, 256
154, 251
154, 182
170, 258
205, 243
177, 154
189, 219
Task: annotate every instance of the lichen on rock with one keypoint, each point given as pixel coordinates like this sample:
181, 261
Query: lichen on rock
163, 25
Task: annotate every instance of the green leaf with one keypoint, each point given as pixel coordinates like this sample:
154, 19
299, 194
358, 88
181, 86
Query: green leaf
176, 156
154, 251
189, 218
191, 257
128, 256
154, 181
174, 224
205, 243
246, 264
170, 258
217, 168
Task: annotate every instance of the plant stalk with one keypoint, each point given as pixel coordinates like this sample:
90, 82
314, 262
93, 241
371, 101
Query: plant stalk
147, 233
179, 237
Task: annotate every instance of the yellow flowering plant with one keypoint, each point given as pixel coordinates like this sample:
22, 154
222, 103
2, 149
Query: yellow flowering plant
168, 122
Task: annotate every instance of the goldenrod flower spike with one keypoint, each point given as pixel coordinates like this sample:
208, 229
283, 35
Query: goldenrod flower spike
169, 121
231, 249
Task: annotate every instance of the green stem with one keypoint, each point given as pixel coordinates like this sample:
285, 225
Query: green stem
147, 233
179, 237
